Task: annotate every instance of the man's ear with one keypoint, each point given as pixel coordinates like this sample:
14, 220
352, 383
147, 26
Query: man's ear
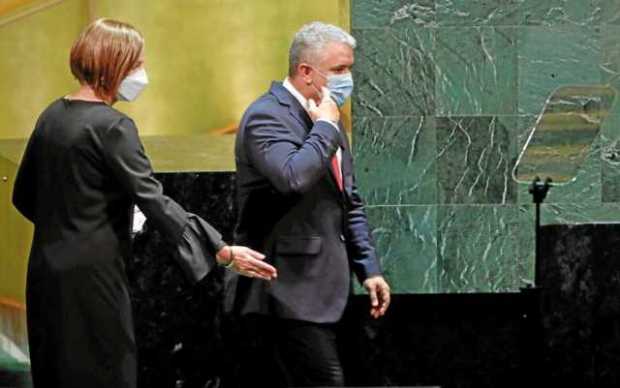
305, 72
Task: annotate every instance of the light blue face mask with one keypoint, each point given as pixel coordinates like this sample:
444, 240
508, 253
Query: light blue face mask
340, 86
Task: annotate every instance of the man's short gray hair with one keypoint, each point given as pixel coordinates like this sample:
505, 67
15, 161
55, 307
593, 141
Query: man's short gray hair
311, 39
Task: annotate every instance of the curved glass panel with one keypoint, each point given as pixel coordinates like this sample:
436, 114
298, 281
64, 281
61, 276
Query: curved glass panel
561, 139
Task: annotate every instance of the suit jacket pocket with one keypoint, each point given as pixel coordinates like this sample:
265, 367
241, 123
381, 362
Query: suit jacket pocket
299, 245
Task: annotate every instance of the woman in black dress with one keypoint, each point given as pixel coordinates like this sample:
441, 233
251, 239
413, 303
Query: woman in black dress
83, 169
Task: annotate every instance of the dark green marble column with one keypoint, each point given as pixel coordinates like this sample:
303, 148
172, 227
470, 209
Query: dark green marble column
446, 94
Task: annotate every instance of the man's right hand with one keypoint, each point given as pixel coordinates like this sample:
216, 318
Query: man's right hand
246, 262
326, 110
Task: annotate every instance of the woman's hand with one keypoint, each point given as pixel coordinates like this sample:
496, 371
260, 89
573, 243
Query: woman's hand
246, 262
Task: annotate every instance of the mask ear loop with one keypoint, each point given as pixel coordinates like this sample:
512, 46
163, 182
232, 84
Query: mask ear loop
320, 93
317, 91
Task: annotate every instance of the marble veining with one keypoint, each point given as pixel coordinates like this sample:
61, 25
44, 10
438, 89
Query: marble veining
474, 165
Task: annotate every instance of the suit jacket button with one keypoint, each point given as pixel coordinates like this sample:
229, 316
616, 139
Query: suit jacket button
342, 238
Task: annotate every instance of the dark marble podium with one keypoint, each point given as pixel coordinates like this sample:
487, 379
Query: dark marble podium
568, 331
179, 327
580, 309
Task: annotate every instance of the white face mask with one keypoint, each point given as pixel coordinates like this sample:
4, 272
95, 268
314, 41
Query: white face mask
133, 85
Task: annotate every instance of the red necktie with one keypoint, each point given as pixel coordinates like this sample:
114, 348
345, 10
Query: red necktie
337, 172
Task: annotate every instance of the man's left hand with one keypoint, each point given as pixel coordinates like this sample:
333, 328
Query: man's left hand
379, 292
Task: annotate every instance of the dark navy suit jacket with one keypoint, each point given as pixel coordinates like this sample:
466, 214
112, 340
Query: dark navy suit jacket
291, 209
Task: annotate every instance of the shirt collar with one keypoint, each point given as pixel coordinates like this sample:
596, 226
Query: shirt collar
298, 96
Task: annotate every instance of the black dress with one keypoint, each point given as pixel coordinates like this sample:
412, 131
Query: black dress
82, 171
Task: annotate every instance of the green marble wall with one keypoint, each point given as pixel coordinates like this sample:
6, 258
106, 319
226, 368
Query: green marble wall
446, 94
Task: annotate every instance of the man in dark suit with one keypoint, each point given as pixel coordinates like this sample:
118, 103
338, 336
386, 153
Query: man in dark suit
298, 204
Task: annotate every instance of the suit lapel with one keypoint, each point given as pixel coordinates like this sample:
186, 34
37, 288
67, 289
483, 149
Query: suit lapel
295, 109
300, 114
